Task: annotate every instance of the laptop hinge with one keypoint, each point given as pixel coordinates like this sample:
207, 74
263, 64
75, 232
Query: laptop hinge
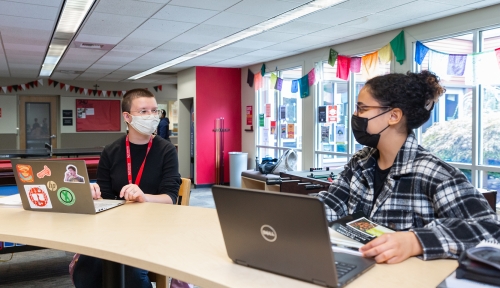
319, 282
241, 262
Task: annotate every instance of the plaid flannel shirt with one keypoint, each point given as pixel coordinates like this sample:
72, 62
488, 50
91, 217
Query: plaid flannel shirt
422, 194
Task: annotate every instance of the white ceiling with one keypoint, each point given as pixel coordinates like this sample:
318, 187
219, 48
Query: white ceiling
146, 33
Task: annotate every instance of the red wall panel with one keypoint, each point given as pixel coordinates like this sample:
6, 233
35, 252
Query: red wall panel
218, 94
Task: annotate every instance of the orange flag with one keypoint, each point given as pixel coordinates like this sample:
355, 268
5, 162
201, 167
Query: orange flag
369, 65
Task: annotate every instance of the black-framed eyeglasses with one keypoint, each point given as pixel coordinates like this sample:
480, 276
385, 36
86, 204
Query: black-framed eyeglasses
364, 108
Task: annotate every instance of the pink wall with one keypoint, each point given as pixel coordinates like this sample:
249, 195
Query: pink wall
218, 94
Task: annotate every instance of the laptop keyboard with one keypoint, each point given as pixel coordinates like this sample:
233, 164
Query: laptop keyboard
343, 268
103, 206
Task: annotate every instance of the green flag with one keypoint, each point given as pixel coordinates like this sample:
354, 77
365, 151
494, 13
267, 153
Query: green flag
333, 57
263, 70
398, 47
261, 120
304, 86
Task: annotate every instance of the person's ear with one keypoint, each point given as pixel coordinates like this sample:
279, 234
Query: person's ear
126, 117
396, 115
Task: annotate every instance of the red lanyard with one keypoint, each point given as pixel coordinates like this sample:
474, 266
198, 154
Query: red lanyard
129, 162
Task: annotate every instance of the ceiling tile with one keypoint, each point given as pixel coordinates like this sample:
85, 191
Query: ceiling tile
417, 9
111, 25
337, 32
372, 6
99, 39
184, 14
265, 53
180, 46
128, 7
218, 5
28, 10
23, 22
195, 38
456, 2
333, 16
285, 46
231, 51
130, 49
63, 76
374, 21
161, 25
274, 37
300, 27
53, 3
251, 43
213, 30
446, 13
235, 20
265, 8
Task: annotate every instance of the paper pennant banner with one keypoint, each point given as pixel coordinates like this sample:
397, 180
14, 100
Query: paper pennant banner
279, 84
343, 67
398, 47
332, 57
274, 78
257, 81
311, 77
385, 54
420, 52
295, 86
356, 64
304, 86
263, 70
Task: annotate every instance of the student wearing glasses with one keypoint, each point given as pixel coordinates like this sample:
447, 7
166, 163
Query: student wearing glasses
152, 176
399, 184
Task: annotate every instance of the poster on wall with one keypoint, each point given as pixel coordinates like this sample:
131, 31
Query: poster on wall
341, 138
325, 131
249, 115
283, 130
268, 110
97, 115
291, 131
282, 112
322, 114
261, 120
273, 127
332, 113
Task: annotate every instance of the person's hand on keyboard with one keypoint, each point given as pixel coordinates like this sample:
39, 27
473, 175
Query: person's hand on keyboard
132, 192
392, 247
96, 191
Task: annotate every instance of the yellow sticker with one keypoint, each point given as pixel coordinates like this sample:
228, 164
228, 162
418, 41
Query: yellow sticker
52, 185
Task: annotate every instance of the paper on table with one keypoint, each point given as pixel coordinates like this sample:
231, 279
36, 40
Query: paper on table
453, 282
14, 200
339, 239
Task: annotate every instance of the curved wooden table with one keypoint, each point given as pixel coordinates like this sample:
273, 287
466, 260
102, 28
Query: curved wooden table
182, 242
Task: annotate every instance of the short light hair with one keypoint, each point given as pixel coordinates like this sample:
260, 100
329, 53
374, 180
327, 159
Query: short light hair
133, 94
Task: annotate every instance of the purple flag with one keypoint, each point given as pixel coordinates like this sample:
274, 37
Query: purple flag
279, 84
420, 52
356, 64
456, 64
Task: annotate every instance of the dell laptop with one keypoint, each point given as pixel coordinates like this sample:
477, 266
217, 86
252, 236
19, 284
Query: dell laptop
57, 186
285, 234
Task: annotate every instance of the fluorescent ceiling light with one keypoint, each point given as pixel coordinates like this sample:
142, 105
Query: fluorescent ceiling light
72, 16
281, 19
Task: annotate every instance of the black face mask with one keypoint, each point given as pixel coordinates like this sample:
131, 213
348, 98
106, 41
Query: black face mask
359, 126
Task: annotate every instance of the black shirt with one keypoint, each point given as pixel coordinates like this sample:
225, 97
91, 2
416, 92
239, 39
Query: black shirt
378, 180
161, 170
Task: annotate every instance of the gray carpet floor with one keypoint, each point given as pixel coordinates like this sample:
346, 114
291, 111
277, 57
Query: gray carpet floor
49, 268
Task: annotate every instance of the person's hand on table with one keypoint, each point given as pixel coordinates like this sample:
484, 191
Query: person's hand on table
96, 191
392, 247
132, 192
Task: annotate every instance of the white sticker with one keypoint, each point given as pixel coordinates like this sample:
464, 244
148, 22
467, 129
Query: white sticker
38, 196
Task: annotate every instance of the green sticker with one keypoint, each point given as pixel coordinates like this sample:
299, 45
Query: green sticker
66, 196
261, 120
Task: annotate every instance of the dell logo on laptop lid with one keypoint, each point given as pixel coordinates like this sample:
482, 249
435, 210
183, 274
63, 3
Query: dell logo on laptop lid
268, 233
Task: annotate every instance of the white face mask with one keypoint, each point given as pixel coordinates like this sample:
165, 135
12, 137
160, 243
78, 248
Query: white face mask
146, 124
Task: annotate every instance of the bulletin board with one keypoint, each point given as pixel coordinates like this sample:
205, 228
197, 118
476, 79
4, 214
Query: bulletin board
97, 115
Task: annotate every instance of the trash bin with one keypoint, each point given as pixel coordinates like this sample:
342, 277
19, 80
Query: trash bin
237, 164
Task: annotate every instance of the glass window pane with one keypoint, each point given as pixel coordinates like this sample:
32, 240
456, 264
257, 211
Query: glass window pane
37, 125
448, 132
490, 108
493, 183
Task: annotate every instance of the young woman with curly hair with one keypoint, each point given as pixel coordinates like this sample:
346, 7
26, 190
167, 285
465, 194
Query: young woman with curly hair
436, 212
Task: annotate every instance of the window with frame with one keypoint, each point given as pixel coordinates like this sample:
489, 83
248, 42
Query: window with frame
464, 128
279, 116
334, 107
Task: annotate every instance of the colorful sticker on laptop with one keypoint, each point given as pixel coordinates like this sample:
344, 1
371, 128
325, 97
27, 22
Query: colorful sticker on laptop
66, 196
52, 185
45, 172
71, 175
38, 196
25, 173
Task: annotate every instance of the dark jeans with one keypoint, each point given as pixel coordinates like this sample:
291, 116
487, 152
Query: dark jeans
88, 273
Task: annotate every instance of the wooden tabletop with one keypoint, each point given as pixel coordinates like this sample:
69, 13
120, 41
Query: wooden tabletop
182, 242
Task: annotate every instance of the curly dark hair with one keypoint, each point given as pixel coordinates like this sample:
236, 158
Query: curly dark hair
413, 93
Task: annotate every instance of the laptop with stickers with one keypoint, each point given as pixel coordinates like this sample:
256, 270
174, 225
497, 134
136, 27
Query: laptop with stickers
57, 186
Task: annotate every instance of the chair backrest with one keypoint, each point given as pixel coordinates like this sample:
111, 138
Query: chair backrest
184, 192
